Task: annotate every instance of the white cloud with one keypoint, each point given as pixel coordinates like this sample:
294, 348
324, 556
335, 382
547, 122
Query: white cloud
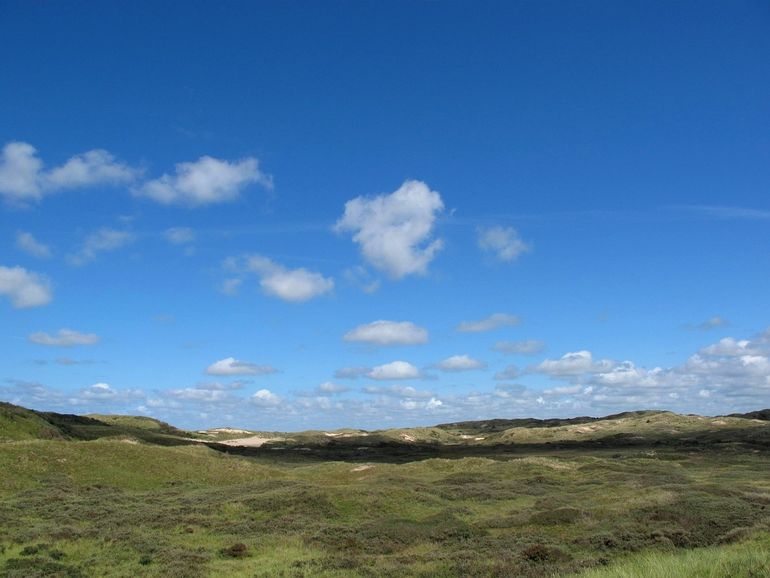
294, 285
525, 347
23, 180
197, 394
24, 288
395, 370
731, 347
20, 173
394, 231
266, 398
573, 363
385, 333
205, 181
231, 286
100, 241
27, 243
430, 405
94, 167
510, 372
494, 321
64, 338
712, 323
503, 242
351, 372
179, 235
232, 366
328, 387
406, 391
460, 363
104, 393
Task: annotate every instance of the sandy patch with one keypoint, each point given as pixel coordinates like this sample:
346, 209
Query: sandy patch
250, 442
227, 430
408, 438
362, 468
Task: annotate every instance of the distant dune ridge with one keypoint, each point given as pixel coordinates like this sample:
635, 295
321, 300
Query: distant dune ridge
627, 428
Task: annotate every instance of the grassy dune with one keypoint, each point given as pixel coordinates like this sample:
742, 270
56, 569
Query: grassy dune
319, 505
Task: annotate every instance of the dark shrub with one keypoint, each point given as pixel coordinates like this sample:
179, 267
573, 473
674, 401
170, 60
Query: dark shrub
238, 550
541, 554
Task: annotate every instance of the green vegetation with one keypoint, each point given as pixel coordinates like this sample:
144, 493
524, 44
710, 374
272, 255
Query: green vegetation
642, 494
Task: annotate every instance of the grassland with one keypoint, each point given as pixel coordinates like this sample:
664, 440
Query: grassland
640, 494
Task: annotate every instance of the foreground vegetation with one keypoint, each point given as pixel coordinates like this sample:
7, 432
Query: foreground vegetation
641, 494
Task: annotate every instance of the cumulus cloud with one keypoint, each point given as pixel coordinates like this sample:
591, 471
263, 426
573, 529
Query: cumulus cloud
494, 321
23, 179
394, 231
232, 366
328, 387
31, 246
730, 347
104, 393
503, 242
430, 405
525, 347
386, 333
293, 285
510, 372
179, 235
91, 168
24, 288
265, 398
573, 363
64, 338
204, 182
457, 363
351, 372
100, 241
394, 370
406, 391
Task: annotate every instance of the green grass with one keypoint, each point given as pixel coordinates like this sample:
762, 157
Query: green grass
121, 505
750, 559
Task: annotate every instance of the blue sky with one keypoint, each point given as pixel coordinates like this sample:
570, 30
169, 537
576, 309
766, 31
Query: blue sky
313, 215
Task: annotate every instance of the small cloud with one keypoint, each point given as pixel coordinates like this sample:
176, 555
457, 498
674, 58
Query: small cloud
64, 338
394, 230
573, 363
25, 289
351, 372
405, 391
494, 321
265, 398
503, 242
23, 180
385, 333
713, 323
204, 182
232, 366
95, 167
395, 370
457, 363
293, 285
525, 347
70, 361
31, 246
510, 372
231, 286
101, 241
329, 387
179, 235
